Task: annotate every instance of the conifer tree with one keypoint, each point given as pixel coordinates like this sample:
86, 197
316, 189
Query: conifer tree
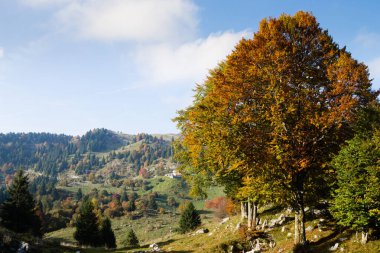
18, 211
87, 230
190, 219
107, 234
131, 240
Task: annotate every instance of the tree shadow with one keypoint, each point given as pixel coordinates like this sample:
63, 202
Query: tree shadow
271, 211
205, 212
323, 244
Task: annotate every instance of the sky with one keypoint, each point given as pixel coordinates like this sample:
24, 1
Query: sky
68, 66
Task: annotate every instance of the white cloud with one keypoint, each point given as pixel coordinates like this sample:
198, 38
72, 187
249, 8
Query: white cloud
130, 20
374, 70
186, 64
1, 52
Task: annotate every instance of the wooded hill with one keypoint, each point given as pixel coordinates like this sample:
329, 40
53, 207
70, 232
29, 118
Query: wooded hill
53, 155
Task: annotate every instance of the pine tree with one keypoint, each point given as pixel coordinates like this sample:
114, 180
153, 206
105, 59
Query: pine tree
190, 219
131, 240
107, 234
87, 231
18, 211
79, 194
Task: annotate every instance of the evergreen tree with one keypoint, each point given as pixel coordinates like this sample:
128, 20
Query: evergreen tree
356, 202
87, 231
131, 240
79, 194
18, 211
107, 234
190, 219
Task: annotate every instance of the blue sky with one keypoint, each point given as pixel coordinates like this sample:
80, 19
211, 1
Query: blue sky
68, 66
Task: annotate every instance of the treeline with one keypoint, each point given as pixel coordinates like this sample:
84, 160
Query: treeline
50, 154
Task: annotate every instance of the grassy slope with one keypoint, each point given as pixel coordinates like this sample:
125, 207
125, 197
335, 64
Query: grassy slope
225, 233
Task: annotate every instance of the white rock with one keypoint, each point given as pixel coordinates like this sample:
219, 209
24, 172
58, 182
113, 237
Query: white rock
201, 231
335, 247
153, 245
225, 220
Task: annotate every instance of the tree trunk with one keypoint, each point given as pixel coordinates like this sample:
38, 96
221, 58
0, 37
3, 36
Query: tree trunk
242, 209
246, 210
250, 214
299, 227
254, 216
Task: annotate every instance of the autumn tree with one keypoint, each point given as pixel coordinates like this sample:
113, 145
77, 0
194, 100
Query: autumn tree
273, 113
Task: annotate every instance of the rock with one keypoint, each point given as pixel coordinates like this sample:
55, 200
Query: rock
342, 239
309, 228
307, 209
210, 234
153, 245
24, 247
201, 231
289, 235
288, 210
335, 247
225, 220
